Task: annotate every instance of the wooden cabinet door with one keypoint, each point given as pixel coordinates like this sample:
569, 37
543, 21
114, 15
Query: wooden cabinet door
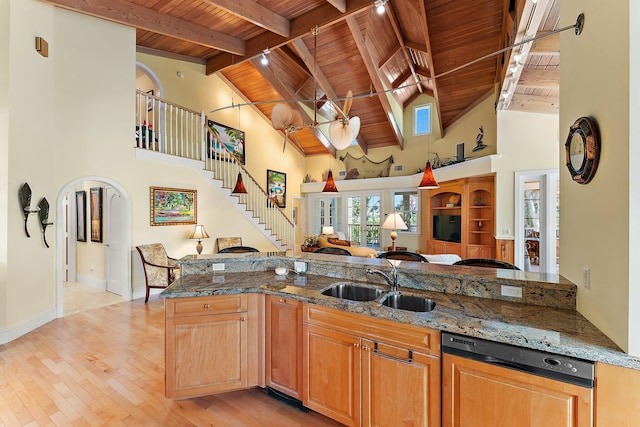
284, 346
399, 387
331, 382
479, 394
617, 398
205, 354
476, 251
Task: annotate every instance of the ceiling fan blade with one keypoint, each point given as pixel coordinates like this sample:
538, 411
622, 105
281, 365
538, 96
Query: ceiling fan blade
281, 116
341, 113
354, 125
341, 135
284, 144
348, 102
296, 120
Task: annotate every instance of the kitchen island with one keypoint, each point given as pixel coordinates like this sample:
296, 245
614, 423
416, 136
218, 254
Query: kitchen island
469, 301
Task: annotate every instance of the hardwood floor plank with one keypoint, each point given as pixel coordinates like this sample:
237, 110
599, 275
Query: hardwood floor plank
105, 367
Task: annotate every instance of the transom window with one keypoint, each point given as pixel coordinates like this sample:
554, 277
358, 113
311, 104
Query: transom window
422, 120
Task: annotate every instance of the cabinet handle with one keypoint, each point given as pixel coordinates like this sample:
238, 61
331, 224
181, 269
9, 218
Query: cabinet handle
207, 306
242, 319
365, 348
282, 300
356, 345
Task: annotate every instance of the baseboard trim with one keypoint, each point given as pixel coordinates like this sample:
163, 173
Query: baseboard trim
11, 334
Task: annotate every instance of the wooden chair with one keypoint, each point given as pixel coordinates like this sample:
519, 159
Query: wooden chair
482, 262
332, 251
403, 255
225, 242
237, 250
160, 270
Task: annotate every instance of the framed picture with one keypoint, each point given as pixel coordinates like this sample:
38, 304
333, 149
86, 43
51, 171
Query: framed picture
95, 200
173, 206
277, 187
150, 101
81, 216
232, 139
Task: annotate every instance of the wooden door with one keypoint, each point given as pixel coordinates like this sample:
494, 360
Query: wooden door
284, 346
205, 354
399, 387
479, 394
331, 382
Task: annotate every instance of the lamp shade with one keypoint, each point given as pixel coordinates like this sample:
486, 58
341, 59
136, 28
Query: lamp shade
394, 222
199, 232
239, 188
428, 180
327, 229
330, 185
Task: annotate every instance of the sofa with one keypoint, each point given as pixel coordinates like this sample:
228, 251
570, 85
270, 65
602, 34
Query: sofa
362, 251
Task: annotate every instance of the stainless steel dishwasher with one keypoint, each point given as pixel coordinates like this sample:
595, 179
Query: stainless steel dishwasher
486, 383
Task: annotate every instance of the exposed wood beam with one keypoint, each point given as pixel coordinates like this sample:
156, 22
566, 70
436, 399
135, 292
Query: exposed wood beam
289, 93
375, 79
322, 81
322, 16
432, 75
549, 45
253, 106
416, 46
401, 79
251, 11
170, 55
540, 79
389, 56
400, 37
126, 13
341, 5
423, 71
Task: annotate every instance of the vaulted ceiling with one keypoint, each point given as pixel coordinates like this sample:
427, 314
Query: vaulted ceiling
442, 48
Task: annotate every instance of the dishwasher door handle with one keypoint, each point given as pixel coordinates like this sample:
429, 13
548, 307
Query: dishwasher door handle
505, 363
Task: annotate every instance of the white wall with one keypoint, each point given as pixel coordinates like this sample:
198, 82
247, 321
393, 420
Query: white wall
595, 218
526, 141
4, 154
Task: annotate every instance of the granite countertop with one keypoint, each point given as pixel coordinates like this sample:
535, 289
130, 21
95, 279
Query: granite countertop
555, 330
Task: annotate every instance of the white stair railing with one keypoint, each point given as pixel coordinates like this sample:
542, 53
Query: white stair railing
168, 128
224, 166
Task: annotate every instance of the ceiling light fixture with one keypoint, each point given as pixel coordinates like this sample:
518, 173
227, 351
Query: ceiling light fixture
428, 181
380, 6
264, 60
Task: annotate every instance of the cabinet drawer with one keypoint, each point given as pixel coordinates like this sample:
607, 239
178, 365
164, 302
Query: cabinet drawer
199, 306
412, 337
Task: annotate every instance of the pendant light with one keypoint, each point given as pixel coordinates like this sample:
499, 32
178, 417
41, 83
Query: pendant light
330, 185
239, 188
428, 181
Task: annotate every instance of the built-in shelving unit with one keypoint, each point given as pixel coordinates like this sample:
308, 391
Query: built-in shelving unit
459, 218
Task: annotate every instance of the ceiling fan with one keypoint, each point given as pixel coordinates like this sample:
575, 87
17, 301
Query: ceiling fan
344, 129
286, 119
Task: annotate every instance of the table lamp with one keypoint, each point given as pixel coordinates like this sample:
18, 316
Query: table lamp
394, 222
199, 233
327, 229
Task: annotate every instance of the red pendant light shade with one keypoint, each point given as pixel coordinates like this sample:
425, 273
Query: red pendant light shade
428, 180
330, 185
239, 188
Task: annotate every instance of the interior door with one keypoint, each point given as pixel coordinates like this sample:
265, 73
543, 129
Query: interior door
537, 220
115, 253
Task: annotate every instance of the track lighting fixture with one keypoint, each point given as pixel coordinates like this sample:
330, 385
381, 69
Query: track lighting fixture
264, 60
379, 5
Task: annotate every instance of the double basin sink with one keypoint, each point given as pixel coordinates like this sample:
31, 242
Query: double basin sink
356, 292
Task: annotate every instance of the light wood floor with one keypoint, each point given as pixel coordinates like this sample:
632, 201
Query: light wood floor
105, 367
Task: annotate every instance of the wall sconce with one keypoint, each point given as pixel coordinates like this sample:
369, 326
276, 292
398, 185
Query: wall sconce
24, 195
42, 47
43, 216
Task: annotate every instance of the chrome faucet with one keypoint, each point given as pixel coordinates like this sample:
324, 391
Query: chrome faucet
391, 280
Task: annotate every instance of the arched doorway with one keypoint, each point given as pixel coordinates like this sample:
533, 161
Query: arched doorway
117, 253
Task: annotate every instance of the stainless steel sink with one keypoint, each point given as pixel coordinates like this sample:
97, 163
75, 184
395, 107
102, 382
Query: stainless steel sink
409, 302
353, 291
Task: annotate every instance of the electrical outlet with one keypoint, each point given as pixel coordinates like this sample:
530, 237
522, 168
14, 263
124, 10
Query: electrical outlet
511, 291
91, 268
586, 277
217, 267
299, 266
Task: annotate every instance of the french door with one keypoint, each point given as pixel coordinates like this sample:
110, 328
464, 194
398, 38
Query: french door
363, 219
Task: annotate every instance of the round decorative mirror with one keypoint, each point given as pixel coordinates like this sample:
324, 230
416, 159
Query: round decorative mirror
582, 150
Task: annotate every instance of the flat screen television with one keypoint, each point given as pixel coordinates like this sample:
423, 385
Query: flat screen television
447, 227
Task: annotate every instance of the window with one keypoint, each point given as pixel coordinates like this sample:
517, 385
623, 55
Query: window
407, 204
422, 120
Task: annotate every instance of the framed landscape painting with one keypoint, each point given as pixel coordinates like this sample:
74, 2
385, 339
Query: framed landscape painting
95, 199
232, 139
172, 206
81, 216
277, 187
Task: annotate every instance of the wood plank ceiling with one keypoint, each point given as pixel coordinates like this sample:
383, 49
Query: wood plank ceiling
414, 47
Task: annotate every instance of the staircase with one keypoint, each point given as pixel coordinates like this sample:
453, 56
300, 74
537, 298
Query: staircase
168, 128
